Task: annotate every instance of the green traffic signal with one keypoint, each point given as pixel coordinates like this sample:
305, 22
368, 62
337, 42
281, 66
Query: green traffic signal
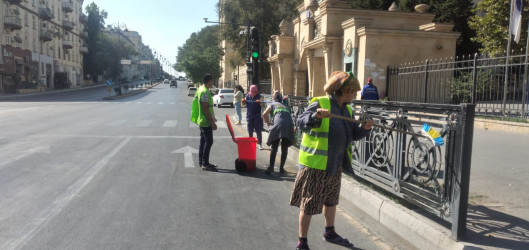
255, 54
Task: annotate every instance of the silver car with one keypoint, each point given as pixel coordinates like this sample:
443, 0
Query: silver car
191, 91
224, 97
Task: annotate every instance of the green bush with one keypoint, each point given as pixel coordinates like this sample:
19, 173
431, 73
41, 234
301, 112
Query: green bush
461, 86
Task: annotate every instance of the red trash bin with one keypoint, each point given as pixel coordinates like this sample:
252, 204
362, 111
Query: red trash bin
246, 149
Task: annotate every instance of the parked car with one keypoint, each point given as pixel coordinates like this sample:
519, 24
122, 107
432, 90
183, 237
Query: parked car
224, 97
173, 83
191, 91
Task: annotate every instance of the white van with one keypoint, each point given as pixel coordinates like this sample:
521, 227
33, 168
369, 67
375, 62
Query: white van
166, 81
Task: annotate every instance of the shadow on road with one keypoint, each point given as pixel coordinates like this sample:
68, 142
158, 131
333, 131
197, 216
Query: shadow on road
261, 174
492, 228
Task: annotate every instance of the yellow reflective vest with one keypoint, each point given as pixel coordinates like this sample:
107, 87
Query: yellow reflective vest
314, 146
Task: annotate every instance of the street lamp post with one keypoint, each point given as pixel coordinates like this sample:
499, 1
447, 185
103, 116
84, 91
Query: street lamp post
119, 27
250, 69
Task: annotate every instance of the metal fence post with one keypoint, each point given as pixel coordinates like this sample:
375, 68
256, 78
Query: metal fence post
474, 79
387, 81
426, 81
461, 174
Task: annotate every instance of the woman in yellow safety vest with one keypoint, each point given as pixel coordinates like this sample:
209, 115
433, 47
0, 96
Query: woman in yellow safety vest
324, 150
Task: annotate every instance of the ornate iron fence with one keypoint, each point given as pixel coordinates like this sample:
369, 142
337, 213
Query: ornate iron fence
498, 87
410, 165
413, 167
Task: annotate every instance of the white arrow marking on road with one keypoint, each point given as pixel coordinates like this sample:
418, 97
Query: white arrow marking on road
188, 155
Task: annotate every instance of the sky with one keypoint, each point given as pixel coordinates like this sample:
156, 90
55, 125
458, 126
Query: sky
164, 25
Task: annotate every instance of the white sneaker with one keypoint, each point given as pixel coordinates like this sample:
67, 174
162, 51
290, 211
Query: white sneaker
259, 147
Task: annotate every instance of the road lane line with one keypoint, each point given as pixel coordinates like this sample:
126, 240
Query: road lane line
144, 123
39, 222
116, 123
221, 124
170, 124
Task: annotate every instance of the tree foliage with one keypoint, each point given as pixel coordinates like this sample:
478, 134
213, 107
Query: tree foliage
200, 54
105, 52
458, 12
266, 15
492, 28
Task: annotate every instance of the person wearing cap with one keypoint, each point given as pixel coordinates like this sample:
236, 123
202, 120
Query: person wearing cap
254, 120
325, 151
281, 131
370, 91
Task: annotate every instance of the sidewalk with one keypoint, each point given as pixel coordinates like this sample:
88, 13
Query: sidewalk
487, 228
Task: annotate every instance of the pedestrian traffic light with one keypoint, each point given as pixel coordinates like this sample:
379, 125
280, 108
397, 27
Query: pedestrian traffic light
255, 44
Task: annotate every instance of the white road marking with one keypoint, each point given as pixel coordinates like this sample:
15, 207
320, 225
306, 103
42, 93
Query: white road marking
188, 157
170, 124
38, 222
221, 124
116, 123
144, 123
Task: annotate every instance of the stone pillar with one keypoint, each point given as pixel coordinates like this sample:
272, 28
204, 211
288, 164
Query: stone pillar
287, 76
299, 83
310, 69
274, 68
327, 55
281, 72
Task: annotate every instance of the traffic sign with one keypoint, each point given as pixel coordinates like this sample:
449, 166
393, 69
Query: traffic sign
123, 61
109, 83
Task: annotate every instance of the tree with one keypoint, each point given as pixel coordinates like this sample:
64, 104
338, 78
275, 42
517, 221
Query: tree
458, 12
492, 28
266, 15
200, 54
96, 21
103, 56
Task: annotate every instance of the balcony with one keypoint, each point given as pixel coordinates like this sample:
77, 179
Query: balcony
45, 14
67, 44
83, 50
14, 1
68, 25
13, 22
45, 35
67, 6
83, 18
17, 39
83, 34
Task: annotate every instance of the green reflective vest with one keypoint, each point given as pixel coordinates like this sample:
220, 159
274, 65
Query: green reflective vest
313, 150
197, 115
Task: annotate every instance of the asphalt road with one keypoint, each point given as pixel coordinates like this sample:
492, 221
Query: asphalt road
78, 172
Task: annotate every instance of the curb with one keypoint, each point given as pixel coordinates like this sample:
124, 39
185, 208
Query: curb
115, 97
417, 229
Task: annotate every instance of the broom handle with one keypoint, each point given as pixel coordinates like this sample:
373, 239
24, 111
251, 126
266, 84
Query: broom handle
375, 125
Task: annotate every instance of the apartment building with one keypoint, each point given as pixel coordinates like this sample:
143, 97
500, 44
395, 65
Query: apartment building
42, 44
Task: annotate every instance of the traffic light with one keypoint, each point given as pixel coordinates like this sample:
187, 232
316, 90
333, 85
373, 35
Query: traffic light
255, 44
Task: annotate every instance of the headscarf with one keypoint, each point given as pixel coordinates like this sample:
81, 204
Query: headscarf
253, 91
339, 80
